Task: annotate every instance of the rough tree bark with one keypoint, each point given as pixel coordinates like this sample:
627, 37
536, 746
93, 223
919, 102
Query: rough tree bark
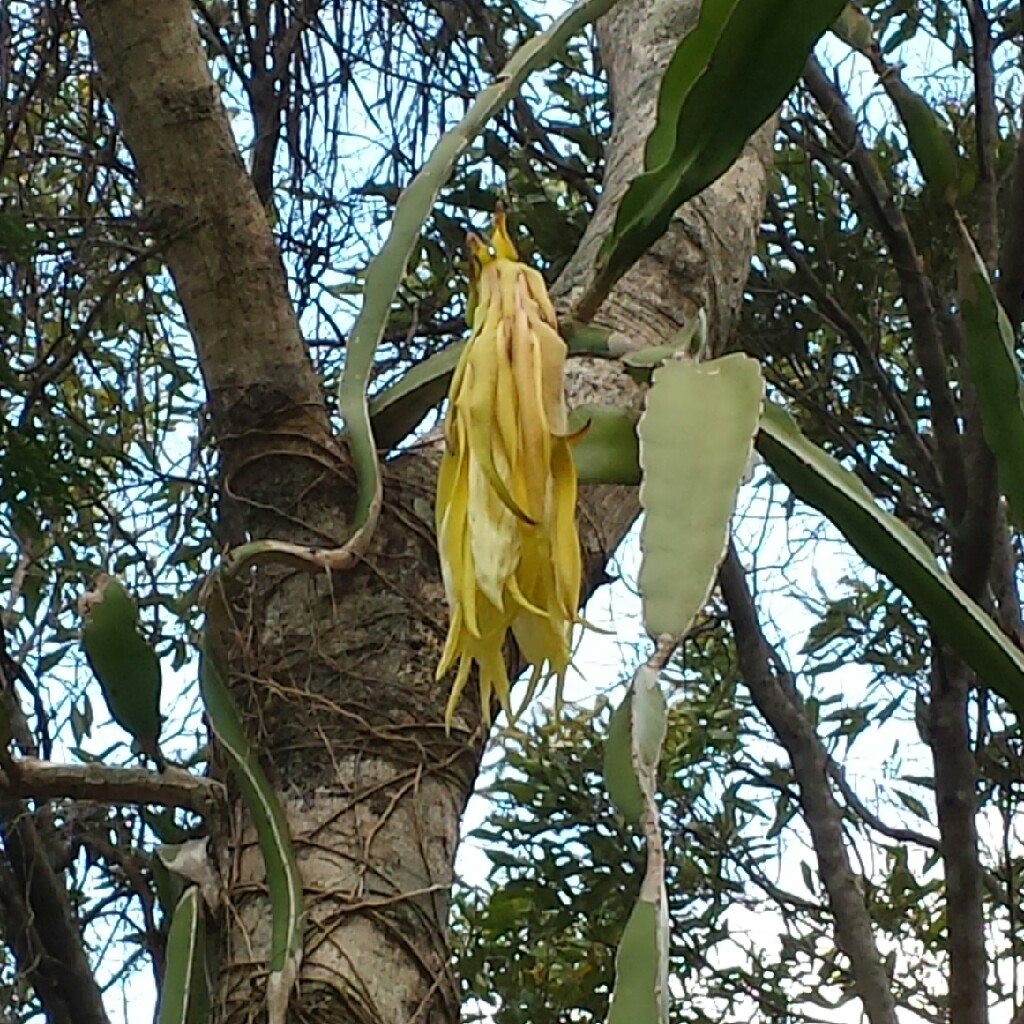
335, 675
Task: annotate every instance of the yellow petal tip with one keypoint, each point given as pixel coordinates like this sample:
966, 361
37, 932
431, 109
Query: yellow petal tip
501, 240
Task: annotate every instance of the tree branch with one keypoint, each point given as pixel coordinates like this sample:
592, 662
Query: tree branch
831, 308
872, 820
28, 951
986, 190
1010, 283
43, 780
40, 926
264, 398
775, 696
956, 774
917, 288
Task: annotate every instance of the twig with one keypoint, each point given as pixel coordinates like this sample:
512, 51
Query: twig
900, 835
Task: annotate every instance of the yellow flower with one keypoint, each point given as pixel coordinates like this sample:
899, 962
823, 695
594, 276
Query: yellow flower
506, 491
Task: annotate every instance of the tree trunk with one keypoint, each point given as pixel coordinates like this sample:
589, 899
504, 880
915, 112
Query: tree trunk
335, 675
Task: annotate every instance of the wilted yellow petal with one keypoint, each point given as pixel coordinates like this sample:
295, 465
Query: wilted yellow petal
501, 240
506, 494
495, 551
564, 538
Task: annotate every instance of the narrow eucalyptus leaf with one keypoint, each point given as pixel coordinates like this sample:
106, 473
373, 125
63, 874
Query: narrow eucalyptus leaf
994, 372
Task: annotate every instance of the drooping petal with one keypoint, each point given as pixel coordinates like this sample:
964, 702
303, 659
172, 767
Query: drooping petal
564, 538
552, 382
494, 539
506, 491
479, 405
501, 240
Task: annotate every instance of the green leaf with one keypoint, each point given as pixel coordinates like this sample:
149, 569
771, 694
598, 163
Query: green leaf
19, 237
162, 821
609, 452
931, 141
385, 272
696, 438
397, 410
994, 372
283, 878
640, 995
124, 664
916, 806
81, 719
726, 78
894, 549
169, 887
185, 994
619, 774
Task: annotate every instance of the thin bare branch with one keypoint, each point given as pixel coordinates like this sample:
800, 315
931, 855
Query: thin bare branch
986, 131
831, 308
872, 820
775, 696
